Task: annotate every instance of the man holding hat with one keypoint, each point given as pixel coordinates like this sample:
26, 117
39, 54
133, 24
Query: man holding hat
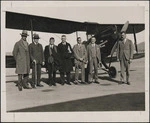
21, 55
37, 59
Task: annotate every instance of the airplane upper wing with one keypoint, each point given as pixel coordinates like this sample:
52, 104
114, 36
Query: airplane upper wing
53, 25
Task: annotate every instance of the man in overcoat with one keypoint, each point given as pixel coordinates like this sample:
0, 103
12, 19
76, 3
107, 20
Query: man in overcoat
37, 60
51, 61
94, 60
22, 58
65, 51
125, 51
80, 55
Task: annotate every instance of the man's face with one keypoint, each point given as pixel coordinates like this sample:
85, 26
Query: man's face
36, 40
51, 41
93, 39
63, 38
24, 38
79, 41
123, 36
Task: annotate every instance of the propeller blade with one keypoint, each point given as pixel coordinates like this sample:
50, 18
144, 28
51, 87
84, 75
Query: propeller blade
125, 27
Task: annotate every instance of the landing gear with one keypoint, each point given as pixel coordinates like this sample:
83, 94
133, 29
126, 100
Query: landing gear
112, 72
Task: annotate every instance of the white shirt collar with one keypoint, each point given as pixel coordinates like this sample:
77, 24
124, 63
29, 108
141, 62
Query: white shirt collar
35, 43
64, 43
125, 40
93, 44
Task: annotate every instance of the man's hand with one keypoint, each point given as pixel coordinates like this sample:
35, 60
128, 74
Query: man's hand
43, 63
130, 61
81, 59
34, 61
99, 65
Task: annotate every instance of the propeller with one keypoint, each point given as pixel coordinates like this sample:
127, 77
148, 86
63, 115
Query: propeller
125, 27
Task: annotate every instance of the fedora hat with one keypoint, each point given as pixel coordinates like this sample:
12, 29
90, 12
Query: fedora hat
24, 33
36, 36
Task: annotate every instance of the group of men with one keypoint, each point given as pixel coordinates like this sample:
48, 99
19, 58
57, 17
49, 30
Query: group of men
60, 58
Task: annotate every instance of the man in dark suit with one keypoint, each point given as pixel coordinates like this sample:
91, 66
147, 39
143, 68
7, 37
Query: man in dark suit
51, 61
21, 55
37, 59
80, 55
94, 59
65, 51
125, 51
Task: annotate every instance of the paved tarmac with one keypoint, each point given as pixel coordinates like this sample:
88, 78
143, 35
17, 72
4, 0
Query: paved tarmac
50, 95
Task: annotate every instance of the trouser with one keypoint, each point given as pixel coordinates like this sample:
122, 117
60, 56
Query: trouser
124, 66
23, 80
36, 74
51, 73
77, 67
93, 63
63, 78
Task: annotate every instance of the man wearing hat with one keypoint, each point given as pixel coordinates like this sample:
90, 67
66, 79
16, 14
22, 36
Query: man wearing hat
125, 54
21, 55
37, 59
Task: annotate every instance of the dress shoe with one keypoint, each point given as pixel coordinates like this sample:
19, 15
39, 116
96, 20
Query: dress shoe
96, 82
128, 83
89, 82
33, 86
68, 83
54, 84
62, 83
19, 87
75, 82
27, 87
39, 85
50, 84
82, 82
121, 82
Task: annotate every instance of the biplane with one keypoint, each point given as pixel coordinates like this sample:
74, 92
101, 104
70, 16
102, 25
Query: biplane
107, 35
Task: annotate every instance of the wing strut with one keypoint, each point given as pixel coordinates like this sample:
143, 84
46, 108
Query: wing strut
77, 34
135, 41
31, 30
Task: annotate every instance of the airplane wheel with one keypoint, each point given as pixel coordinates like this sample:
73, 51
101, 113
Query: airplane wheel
112, 72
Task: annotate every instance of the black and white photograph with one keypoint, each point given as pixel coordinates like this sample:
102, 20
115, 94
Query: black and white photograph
75, 61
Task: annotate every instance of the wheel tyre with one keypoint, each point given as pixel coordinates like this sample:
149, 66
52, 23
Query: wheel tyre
112, 72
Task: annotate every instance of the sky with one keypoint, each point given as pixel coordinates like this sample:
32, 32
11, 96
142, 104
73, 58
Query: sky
75, 11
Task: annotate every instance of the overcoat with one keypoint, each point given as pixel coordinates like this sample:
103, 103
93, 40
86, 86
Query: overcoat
21, 55
66, 53
125, 50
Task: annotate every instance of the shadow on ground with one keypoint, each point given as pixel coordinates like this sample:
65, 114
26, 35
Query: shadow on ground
115, 102
108, 78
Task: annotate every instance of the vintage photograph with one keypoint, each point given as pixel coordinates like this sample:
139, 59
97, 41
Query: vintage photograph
85, 59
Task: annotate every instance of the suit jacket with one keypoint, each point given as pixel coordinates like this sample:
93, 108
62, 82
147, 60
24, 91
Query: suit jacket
79, 53
21, 55
36, 52
49, 58
126, 49
89, 52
